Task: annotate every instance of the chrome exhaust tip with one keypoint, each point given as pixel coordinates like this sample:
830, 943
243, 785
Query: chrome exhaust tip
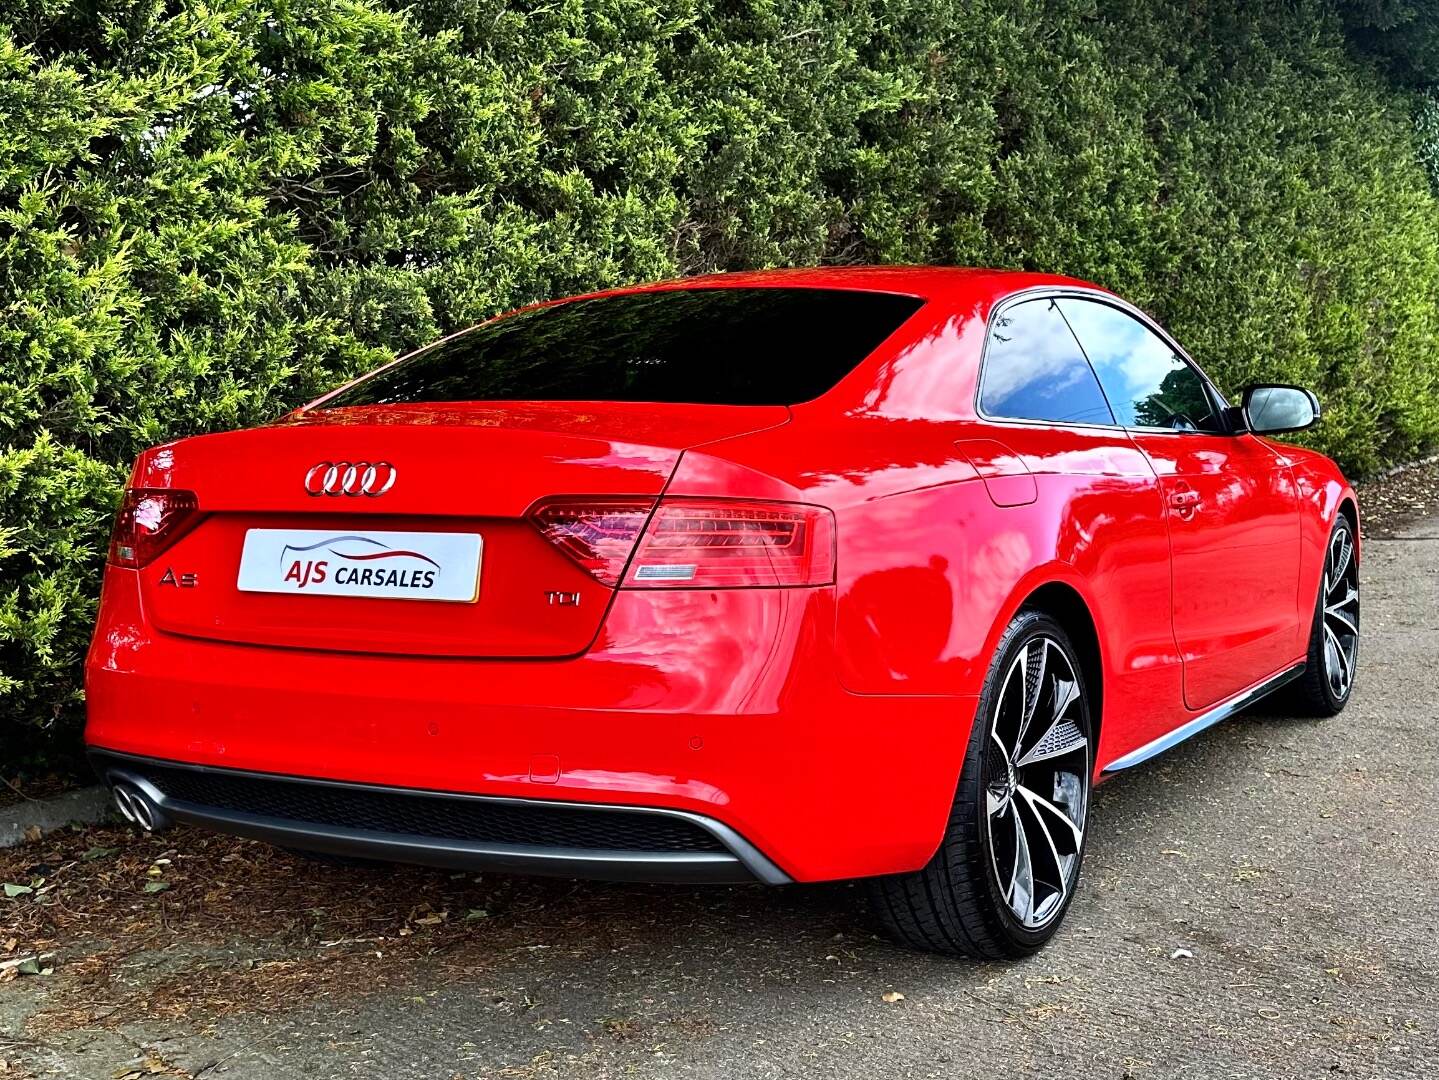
136, 807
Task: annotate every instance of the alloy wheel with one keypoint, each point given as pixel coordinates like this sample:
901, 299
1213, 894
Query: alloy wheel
1341, 613
1037, 778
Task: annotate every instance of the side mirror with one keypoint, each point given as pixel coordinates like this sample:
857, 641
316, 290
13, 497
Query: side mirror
1271, 409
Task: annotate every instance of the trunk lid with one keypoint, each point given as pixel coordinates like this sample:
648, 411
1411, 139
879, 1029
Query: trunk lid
452, 486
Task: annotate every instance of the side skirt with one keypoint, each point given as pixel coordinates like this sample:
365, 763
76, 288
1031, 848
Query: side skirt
1222, 711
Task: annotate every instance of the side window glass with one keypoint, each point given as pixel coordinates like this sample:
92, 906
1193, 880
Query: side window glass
1035, 370
1147, 383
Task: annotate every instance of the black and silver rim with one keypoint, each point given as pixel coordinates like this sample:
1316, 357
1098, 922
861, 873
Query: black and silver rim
1037, 775
1341, 614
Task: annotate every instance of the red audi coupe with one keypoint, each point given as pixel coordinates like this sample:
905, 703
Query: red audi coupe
778, 577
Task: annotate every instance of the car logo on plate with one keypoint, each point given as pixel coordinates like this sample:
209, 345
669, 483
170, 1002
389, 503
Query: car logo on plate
350, 478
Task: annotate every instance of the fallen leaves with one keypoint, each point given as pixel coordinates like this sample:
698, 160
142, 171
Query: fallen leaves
156, 875
621, 1028
245, 927
151, 1066
34, 964
12, 890
1403, 496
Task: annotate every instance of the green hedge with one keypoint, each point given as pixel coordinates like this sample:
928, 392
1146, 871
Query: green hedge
211, 211
1402, 34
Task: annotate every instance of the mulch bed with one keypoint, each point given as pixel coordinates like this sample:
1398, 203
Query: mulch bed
257, 926
1391, 501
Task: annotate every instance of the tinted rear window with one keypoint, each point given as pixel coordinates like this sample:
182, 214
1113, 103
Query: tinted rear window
706, 346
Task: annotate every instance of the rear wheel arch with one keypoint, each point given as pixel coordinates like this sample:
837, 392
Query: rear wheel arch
1064, 604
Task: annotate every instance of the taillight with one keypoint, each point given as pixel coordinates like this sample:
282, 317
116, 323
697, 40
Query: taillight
725, 544
599, 535
149, 521
692, 543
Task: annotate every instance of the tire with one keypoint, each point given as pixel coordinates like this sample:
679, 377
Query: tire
1333, 657
969, 900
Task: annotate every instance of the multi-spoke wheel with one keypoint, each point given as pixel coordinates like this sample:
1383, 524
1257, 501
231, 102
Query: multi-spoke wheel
1334, 639
1037, 783
1341, 613
1007, 866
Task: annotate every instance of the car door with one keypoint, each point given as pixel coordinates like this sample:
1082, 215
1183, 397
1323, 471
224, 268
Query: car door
1231, 502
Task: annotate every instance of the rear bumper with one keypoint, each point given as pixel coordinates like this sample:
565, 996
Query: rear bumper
722, 705
612, 843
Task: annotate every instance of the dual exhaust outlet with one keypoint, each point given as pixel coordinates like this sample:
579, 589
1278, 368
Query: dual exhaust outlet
137, 806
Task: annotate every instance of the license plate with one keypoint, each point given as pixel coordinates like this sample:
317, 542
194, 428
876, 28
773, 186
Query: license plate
398, 565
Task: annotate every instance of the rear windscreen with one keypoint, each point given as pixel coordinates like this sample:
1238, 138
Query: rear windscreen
776, 346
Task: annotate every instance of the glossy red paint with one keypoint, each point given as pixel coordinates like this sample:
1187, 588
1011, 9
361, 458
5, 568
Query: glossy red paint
1233, 530
826, 723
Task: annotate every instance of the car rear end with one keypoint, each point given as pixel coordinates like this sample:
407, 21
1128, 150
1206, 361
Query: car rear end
413, 623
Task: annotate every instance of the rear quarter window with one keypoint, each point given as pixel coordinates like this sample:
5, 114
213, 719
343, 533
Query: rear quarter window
767, 346
1035, 370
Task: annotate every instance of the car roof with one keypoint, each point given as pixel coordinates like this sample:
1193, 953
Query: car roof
927, 282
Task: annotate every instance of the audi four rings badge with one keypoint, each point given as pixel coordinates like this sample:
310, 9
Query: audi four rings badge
350, 478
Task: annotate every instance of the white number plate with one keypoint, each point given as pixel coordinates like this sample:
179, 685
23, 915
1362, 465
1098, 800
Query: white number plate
403, 565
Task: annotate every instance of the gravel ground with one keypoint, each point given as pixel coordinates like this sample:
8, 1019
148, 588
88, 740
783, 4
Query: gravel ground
1294, 861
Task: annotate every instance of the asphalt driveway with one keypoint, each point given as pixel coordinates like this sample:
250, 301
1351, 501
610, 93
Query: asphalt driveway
1260, 902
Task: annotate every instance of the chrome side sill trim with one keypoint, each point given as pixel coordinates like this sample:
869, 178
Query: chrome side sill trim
1222, 711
